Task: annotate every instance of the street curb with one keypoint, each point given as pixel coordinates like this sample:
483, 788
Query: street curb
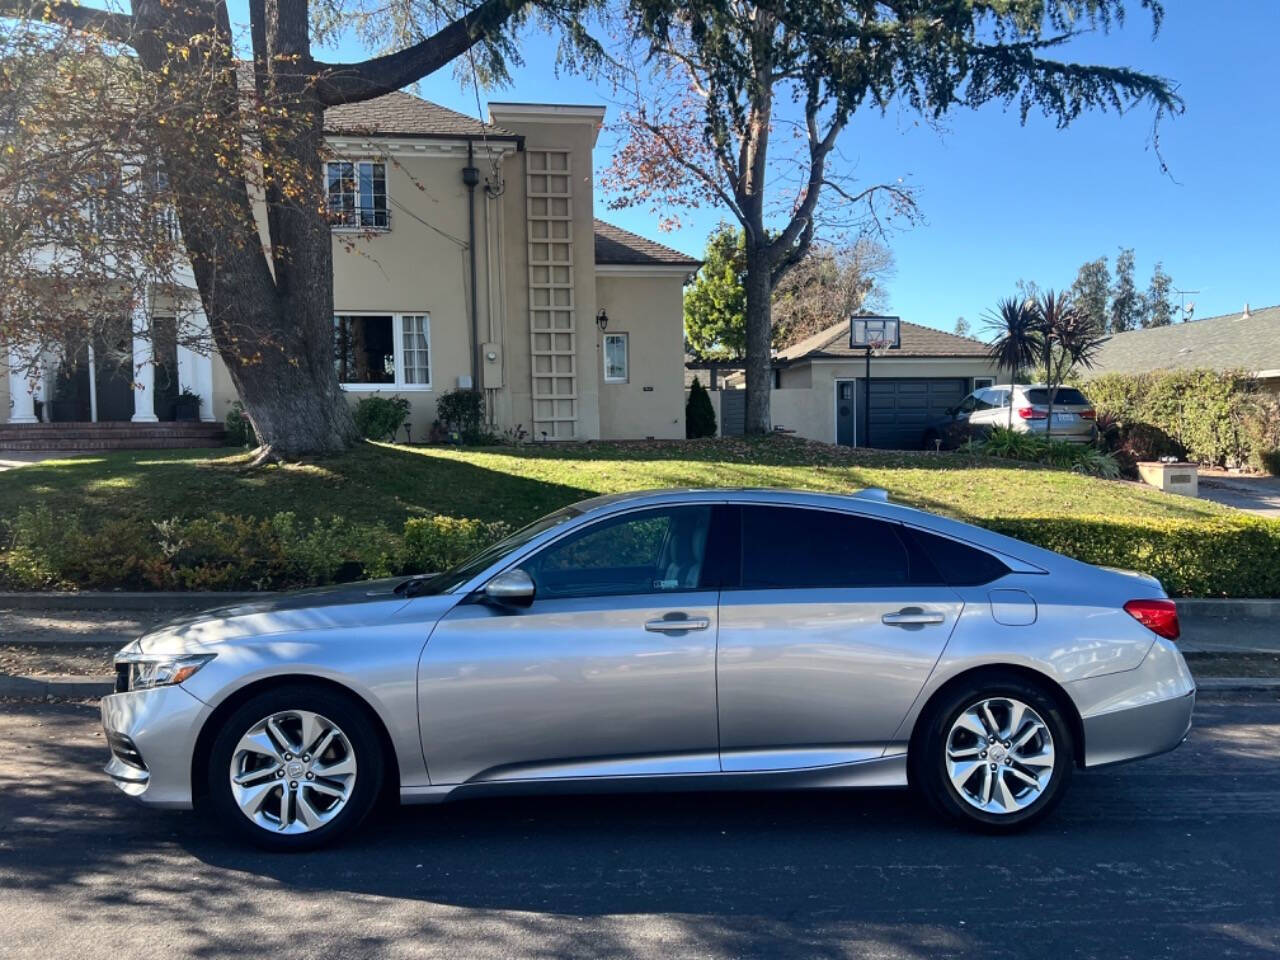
1254, 609
1236, 684
125, 600
69, 688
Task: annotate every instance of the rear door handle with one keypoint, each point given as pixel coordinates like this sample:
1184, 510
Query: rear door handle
677, 625
911, 616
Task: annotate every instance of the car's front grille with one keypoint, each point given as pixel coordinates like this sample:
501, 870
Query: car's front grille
122, 677
125, 749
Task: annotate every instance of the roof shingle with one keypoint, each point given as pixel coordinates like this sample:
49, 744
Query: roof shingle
617, 246
915, 340
404, 114
1229, 342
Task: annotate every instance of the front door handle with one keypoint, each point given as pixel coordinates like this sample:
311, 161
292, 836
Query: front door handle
912, 616
677, 625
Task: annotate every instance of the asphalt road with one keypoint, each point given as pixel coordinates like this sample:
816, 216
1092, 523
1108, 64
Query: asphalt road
1178, 856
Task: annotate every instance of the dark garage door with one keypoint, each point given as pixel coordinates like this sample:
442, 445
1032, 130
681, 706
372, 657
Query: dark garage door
901, 409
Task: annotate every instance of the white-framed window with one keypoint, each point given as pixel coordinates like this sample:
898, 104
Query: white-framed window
981, 382
374, 350
617, 368
358, 194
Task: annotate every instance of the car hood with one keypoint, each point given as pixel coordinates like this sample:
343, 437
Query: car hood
316, 612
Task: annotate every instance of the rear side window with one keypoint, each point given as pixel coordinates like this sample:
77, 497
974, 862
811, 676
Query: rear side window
957, 565
1067, 396
791, 547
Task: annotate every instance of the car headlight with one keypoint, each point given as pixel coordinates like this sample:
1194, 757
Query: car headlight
143, 671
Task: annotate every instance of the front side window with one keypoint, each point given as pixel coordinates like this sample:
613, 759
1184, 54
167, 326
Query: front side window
797, 548
649, 551
392, 349
364, 349
615, 358
358, 194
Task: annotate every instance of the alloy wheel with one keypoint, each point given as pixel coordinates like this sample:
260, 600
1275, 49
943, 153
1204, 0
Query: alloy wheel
293, 771
999, 755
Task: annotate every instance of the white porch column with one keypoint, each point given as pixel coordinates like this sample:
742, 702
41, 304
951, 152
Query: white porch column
21, 398
195, 369
144, 371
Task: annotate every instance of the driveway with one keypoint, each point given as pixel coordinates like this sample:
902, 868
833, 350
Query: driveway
1170, 857
17, 458
1260, 495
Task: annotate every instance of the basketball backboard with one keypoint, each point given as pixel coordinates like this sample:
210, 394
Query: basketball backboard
874, 332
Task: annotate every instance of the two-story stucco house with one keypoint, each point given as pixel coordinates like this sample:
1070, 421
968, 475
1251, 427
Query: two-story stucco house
465, 253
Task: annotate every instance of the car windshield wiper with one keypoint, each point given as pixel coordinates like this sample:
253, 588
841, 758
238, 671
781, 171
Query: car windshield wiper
413, 586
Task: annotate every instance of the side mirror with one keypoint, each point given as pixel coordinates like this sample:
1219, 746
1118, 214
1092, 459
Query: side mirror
513, 588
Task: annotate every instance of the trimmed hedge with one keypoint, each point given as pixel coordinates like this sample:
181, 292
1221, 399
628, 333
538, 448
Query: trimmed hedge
1219, 418
1226, 556
226, 552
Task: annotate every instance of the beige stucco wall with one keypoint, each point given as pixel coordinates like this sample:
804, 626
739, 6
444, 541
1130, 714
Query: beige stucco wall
577, 135
650, 311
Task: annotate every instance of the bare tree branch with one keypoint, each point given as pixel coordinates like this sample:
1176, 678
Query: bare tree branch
119, 27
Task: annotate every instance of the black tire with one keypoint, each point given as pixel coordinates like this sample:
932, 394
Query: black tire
931, 438
342, 710
929, 771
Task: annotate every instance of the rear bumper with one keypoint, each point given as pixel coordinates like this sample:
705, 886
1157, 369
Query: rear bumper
161, 726
1137, 713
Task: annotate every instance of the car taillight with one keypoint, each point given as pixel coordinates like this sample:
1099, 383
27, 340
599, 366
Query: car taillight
1089, 414
1031, 413
1158, 616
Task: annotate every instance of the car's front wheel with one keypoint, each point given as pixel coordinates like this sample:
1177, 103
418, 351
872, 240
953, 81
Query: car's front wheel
295, 767
995, 754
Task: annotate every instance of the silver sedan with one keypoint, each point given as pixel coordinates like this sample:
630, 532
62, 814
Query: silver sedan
684, 639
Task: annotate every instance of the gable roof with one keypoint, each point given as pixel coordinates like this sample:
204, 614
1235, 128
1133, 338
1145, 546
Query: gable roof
915, 340
1229, 342
403, 114
617, 246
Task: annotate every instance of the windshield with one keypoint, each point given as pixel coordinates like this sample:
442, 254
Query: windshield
444, 582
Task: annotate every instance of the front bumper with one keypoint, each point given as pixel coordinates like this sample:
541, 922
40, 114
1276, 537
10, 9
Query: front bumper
161, 725
1136, 713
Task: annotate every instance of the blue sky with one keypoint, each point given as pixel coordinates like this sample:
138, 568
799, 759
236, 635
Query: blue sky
1003, 202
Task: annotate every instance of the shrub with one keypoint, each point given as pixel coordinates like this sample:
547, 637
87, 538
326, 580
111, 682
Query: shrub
434, 544
461, 411
240, 432
1205, 414
1012, 445
699, 414
1261, 427
380, 418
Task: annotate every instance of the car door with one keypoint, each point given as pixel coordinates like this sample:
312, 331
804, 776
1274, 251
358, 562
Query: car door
830, 633
610, 671
957, 428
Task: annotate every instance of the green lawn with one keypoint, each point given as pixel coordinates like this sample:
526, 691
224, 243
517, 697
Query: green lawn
389, 484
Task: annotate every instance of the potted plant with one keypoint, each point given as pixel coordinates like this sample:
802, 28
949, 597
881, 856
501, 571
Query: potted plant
187, 405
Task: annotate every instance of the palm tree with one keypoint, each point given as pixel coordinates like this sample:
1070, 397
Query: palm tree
1065, 339
1014, 339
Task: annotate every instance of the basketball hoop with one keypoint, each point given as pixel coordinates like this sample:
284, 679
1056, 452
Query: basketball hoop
877, 336
879, 346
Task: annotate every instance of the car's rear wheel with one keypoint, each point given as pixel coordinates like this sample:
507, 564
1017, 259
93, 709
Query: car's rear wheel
295, 767
995, 754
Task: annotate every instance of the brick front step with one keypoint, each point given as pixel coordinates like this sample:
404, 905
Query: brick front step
110, 436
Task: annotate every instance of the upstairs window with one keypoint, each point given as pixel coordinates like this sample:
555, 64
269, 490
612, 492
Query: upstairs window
358, 195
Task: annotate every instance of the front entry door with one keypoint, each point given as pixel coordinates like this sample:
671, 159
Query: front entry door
846, 413
610, 671
827, 641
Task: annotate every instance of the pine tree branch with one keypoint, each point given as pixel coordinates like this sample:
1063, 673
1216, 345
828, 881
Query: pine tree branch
354, 82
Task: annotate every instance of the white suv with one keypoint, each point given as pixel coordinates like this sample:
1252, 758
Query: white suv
989, 407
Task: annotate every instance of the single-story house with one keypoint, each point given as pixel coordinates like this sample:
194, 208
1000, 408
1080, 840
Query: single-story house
820, 386
1249, 340
576, 329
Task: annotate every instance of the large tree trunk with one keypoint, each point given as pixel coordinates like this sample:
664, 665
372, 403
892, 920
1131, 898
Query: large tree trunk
272, 321
759, 323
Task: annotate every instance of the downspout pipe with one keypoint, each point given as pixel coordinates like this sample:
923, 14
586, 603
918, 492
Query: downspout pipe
471, 177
